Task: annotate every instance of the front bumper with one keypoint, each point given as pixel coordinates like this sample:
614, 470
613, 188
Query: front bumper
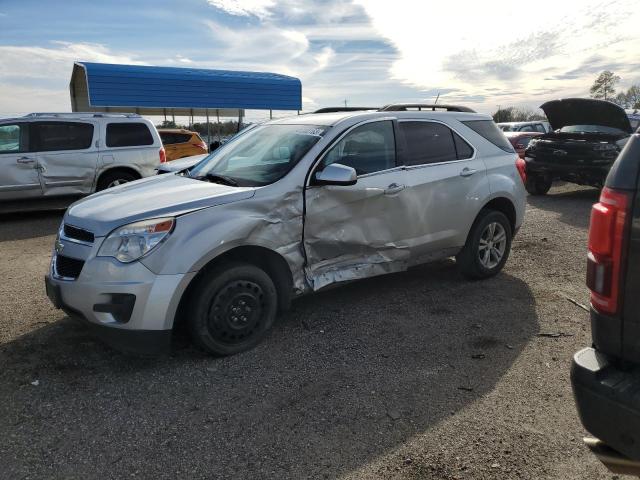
608, 400
559, 169
127, 305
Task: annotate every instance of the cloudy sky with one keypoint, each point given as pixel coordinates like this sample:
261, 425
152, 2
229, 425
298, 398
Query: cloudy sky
368, 52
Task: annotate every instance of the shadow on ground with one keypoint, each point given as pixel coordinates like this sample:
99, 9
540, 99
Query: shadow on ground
25, 225
347, 375
573, 203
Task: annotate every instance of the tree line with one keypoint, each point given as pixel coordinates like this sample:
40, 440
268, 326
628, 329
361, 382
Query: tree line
604, 88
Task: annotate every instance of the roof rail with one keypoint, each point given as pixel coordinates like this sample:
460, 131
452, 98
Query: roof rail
403, 107
80, 114
343, 109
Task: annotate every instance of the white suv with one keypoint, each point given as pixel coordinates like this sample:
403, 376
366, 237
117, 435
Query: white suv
60, 154
285, 209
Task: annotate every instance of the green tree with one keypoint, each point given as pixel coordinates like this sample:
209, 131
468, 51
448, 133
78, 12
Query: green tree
604, 86
630, 98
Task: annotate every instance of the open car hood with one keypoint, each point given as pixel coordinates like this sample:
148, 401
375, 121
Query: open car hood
585, 111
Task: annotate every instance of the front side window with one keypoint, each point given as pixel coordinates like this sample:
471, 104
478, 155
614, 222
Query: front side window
259, 156
12, 138
540, 128
368, 148
60, 136
126, 134
527, 128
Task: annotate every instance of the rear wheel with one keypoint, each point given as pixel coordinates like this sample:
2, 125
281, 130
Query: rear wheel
232, 308
115, 178
488, 246
537, 184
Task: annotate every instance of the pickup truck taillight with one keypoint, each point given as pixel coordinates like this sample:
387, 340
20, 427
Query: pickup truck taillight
609, 219
522, 168
163, 155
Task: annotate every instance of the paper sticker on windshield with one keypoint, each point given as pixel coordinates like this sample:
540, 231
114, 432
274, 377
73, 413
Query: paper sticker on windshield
315, 132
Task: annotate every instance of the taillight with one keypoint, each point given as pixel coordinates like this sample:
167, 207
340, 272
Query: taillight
606, 242
163, 155
522, 168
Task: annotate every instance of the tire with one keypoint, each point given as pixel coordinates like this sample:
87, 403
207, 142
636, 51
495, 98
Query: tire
232, 308
472, 261
112, 179
537, 184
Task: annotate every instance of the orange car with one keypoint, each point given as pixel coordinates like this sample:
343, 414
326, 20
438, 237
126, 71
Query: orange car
180, 143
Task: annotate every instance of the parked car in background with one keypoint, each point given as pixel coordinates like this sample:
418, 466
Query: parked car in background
634, 119
180, 143
606, 376
539, 126
587, 138
520, 140
283, 209
61, 154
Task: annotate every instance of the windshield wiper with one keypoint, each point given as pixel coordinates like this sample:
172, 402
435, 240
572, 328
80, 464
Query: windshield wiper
217, 178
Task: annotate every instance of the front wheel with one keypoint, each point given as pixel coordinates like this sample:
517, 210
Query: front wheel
488, 246
232, 308
537, 184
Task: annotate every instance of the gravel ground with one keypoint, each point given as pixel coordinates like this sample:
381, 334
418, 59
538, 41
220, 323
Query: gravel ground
414, 375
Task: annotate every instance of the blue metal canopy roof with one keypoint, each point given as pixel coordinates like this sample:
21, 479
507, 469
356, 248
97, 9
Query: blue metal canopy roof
152, 90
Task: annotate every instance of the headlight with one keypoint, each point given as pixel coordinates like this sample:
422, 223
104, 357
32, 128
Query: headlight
130, 242
604, 147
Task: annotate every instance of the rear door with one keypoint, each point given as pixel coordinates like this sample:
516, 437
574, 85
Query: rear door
67, 156
19, 176
446, 182
360, 230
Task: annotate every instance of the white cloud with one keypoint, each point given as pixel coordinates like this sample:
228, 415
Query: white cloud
54, 62
485, 49
244, 8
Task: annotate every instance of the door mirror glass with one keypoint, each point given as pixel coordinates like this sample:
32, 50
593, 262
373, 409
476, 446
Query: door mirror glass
336, 174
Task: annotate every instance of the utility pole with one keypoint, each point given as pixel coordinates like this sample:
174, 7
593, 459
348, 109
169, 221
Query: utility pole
345, 103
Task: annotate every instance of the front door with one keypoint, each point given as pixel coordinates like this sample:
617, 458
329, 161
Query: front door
67, 156
19, 177
360, 230
446, 182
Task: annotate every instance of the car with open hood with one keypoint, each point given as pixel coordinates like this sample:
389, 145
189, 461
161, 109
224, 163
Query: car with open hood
285, 209
587, 137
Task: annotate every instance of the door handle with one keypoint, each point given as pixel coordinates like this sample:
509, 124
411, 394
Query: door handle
25, 160
467, 172
394, 188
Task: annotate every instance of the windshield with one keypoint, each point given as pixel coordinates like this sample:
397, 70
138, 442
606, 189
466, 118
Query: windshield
261, 156
591, 129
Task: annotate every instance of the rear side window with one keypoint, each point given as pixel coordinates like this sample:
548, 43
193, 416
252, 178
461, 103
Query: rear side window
490, 131
58, 136
128, 135
13, 138
431, 142
169, 138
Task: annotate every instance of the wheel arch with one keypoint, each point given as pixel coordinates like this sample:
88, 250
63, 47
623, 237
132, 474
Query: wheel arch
268, 260
505, 206
117, 168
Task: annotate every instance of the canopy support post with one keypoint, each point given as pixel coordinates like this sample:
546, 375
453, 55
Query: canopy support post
270, 114
208, 129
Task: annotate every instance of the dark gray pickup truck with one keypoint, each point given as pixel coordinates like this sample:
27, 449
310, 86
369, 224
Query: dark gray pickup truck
606, 377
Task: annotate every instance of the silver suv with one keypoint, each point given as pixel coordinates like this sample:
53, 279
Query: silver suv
57, 154
285, 209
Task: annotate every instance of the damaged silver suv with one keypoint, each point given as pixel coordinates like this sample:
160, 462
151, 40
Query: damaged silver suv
285, 209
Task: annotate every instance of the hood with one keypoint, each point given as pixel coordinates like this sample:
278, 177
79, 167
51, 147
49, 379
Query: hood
585, 111
152, 197
177, 165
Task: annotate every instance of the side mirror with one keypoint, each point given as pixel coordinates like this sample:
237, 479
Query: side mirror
336, 174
